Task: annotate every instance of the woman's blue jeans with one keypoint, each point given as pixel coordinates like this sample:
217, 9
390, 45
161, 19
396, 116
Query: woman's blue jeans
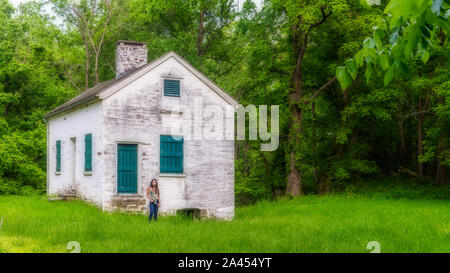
153, 211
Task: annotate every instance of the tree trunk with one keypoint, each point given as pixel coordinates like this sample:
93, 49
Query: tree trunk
236, 145
300, 44
96, 66
294, 180
294, 185
201, 32
314, 141
420, 117
341, 146
440, 169
266, 165
246, 148
324, 185
402, 136
87, 64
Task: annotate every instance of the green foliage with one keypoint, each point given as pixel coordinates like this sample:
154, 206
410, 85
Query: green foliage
344, 76
396, 187
21, 162
358, 130
437, 135
409, 29
31, 84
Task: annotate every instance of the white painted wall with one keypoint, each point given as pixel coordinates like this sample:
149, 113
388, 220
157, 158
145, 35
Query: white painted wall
77, 123
133, 114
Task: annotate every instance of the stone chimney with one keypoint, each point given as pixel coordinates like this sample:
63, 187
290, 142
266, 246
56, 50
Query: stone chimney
129, 56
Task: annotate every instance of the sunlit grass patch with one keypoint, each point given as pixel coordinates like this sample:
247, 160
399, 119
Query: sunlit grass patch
335, 223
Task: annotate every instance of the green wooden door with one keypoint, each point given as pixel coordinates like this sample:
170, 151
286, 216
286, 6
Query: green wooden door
127, 168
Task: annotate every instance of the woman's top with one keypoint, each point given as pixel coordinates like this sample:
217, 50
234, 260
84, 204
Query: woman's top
153, 196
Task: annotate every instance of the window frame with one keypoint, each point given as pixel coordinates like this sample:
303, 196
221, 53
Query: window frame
58, 157
88, 167
166, 172
171, 80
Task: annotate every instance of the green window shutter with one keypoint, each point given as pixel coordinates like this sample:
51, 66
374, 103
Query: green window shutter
88, 152
171, 154
172, 88
58, 155
127, 168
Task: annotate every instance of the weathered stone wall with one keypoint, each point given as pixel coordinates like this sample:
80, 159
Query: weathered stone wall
139, 113
76, 124
128, 203
129, 56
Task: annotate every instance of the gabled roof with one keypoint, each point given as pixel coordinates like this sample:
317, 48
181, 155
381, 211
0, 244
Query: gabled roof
105, 89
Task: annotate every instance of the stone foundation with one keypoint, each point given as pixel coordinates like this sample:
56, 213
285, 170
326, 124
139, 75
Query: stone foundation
129, 203
137, 203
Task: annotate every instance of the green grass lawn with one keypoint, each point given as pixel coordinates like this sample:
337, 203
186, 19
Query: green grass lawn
336, 223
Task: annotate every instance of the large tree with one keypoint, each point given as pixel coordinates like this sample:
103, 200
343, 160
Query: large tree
410, 31
93, 19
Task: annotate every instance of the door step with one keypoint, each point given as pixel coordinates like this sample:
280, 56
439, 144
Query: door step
68, 196
63, 197
52, 199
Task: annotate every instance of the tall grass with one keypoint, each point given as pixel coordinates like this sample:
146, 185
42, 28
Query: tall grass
304, 224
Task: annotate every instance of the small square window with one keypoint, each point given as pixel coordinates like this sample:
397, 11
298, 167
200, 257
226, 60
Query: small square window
171, 88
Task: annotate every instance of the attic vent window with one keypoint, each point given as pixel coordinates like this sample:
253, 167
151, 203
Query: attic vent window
171, 88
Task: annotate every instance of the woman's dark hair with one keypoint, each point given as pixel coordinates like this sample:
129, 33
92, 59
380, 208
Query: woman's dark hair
151, 185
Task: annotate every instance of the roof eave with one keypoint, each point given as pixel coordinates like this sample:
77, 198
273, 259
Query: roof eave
71, 106
111, 89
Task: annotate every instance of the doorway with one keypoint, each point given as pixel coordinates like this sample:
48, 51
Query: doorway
127, 168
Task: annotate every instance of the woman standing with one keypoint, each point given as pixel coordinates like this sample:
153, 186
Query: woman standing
153, 196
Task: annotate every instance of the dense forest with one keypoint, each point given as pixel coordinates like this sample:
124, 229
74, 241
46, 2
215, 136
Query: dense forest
363, 89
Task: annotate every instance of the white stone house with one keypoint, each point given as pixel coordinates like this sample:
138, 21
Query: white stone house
106, 144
